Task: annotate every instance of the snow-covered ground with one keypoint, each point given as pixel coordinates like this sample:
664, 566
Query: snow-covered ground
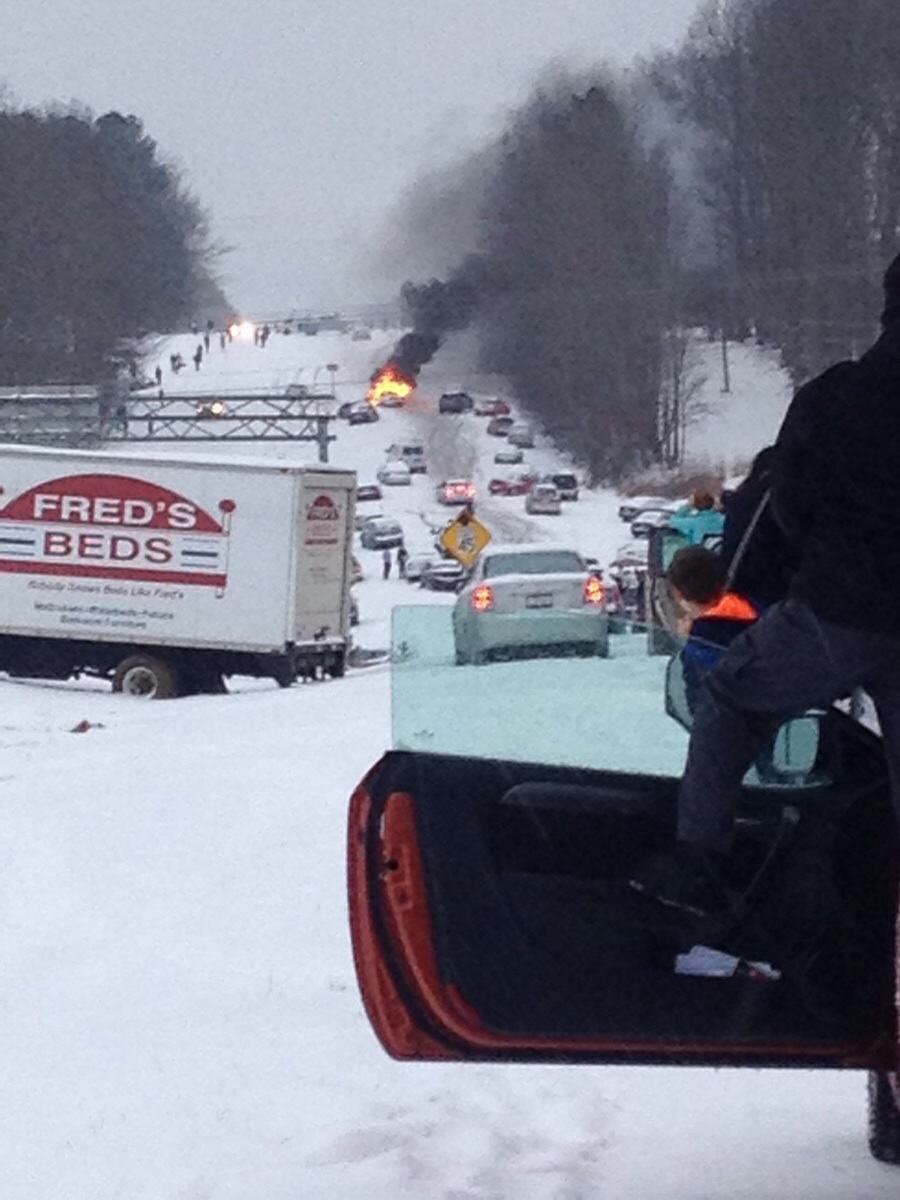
180, 1016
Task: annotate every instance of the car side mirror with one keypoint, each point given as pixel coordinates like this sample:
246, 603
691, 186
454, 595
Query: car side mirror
791, 760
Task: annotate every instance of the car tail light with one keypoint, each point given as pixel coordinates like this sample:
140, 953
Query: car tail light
483, 598
593, 591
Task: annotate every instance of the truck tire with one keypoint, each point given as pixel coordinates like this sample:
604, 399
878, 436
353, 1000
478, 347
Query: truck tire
285, 674
338, 668
147, 677
884, 1119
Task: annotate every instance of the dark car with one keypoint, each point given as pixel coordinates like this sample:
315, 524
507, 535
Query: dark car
491, 912
367, 491
565, 483
500, 426
363, 414
345, 409
455, 402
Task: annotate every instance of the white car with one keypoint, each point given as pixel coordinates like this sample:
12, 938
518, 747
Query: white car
412, 453
631, 508
543, 500
528, 600
510, 457
394, 474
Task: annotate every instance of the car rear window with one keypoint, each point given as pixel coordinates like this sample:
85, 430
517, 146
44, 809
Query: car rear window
535, 562
565, 481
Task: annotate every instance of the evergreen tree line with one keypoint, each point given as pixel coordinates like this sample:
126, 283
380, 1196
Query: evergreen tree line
747, 183
100, 242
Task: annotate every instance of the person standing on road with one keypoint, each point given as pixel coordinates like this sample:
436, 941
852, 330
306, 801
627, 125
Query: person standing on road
385, 563
158, 375
402, 557
198, 357
835, 494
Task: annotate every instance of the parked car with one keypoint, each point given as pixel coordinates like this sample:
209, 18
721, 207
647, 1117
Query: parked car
455, 402
565, 483
360, 519
416, 564
519, 484
394, 474
612, 602
524, 600
412, 453
648, 520
455, 491
363, 414
510, 457
448, 575
366, 492
635, 505
345, 409
357, 574
500, 426
491, 406
521, 434
543, 500
381, 532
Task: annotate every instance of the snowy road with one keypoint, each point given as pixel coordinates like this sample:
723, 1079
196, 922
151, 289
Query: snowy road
180, 1016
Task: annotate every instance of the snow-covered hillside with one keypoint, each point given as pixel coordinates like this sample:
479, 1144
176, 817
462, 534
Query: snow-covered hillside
180, 1015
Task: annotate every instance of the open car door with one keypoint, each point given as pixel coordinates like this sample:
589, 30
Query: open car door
490, 853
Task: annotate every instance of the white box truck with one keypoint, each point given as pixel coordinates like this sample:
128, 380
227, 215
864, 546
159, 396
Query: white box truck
164, 574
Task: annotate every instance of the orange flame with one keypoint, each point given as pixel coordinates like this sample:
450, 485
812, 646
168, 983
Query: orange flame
389, 381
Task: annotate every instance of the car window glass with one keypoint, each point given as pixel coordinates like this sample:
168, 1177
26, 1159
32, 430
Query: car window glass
627, 712
536, 563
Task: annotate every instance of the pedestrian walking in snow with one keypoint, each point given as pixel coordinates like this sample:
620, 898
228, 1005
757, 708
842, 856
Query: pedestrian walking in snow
222, 338
402, 556
206, 341
158, 375
198, 357
385, 563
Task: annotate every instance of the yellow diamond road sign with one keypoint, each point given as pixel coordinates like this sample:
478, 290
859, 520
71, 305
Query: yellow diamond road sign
465, 538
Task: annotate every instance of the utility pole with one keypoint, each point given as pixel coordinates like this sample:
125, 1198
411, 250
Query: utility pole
726, 373
322, 438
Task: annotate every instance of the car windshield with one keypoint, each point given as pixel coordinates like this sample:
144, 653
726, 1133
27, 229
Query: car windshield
626, 712
532, 562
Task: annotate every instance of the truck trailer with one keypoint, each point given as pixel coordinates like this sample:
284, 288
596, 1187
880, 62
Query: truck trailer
166, 574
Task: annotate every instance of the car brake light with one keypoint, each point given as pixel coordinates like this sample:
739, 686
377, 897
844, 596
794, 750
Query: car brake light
593, 590
483, 598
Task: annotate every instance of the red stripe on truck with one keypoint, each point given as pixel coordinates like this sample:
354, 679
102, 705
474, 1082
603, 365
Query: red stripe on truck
133, 573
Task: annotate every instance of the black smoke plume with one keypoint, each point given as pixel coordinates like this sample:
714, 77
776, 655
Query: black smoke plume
437, 308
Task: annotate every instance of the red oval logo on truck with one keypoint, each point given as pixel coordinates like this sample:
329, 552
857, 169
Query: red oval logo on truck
323, 508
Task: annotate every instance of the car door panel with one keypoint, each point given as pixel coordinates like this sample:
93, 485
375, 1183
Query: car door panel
492, 919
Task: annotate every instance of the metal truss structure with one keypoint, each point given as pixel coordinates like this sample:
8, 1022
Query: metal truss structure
85, 416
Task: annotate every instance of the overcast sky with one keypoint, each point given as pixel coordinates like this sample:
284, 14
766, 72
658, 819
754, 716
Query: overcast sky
299, 122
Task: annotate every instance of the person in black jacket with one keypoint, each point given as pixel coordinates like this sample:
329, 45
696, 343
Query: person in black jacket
836, 496
767, 562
